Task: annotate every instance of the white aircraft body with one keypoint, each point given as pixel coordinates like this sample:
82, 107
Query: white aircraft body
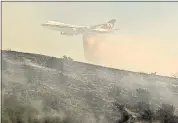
68, 29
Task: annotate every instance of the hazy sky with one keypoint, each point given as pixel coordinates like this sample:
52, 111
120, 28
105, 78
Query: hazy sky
147, 40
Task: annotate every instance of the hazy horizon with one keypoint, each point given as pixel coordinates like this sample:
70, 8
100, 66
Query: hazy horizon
146, 40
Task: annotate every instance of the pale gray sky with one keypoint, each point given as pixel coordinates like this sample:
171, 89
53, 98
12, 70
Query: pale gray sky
147, 40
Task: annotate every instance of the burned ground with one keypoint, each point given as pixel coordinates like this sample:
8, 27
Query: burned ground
42, 89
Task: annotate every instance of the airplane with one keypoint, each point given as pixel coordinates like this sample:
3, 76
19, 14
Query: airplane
68, 29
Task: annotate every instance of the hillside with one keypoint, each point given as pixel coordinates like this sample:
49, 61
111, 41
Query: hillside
38, 88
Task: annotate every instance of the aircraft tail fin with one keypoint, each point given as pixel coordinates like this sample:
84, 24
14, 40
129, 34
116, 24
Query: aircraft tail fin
109, 24
112, 21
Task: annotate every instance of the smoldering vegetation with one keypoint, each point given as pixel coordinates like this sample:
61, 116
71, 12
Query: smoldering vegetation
42, 89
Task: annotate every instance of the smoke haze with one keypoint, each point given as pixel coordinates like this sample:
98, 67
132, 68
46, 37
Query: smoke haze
146, 40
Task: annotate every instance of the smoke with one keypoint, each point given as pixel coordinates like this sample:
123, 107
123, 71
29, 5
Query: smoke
123, 52
35, 92
129, 52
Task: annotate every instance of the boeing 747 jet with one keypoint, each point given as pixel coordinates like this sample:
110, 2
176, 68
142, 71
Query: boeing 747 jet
68, 29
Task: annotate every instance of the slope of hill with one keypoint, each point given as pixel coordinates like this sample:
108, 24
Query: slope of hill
38, 88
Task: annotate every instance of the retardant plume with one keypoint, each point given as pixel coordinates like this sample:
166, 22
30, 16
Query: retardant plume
91, 46
135, 53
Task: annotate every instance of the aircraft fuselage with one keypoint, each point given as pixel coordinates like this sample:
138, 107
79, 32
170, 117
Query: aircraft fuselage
61, 29
68, 29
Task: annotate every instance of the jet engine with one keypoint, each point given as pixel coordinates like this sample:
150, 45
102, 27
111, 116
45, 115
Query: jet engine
74, 30
70, 34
